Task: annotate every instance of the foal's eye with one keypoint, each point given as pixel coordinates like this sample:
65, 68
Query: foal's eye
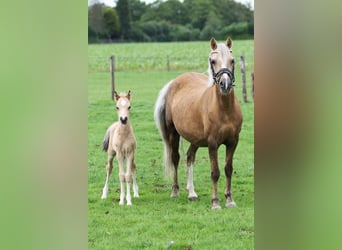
117, 107
129, 107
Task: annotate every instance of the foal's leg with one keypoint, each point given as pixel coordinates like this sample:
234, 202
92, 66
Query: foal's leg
128, 177
215, 175
134, 177
122, 178
229, 170
109, 168
190, 162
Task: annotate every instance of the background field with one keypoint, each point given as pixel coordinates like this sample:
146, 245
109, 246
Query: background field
155, 219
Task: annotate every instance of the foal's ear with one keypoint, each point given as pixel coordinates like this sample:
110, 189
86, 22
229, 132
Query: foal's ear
213, 43
229, 42
116, 95
129, 95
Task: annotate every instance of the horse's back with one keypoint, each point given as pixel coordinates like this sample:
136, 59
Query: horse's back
188, 85
191, 80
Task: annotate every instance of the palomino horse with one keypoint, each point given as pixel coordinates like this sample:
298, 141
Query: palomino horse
205, 111
119, 141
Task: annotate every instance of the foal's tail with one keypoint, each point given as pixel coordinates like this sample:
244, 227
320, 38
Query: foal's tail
159, 118
106, 140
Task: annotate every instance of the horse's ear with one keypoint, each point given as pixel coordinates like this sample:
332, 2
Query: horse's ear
213, 43
129, 95
229, 42
116, 95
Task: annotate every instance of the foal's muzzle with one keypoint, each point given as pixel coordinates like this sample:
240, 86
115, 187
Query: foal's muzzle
123, 120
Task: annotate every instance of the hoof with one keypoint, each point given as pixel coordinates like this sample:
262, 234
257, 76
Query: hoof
103, 197
230, 204
216, 207
136, 195
193, 198
174, 194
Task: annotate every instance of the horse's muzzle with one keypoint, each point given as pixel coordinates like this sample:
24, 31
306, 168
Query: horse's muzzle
225, 85
123, 120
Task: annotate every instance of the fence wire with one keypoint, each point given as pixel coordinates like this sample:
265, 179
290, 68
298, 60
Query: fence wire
143, 63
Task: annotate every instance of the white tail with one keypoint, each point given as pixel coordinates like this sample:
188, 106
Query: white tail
159, 118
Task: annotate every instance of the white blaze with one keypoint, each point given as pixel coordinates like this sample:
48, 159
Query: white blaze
123, 103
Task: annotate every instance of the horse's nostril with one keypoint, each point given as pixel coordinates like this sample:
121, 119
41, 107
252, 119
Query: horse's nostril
123, 120
223, 83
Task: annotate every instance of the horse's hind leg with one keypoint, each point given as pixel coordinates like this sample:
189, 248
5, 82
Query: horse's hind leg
134, 177
229, 170
109, 168
174, 143
190, 162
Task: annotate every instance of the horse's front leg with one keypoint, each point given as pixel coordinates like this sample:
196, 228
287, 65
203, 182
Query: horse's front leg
128, 178
215, 175
190, 162
122, 178
229, 171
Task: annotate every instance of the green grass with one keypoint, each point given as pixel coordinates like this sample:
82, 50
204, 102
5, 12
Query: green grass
155, 219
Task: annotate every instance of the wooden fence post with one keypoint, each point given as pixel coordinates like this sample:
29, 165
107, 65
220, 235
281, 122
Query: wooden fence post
168, 63
252, 81
112, 70
243, 74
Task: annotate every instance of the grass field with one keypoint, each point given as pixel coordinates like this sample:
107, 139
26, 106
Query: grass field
155, 219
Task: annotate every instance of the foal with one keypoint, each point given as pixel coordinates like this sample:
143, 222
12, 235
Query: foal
119, 141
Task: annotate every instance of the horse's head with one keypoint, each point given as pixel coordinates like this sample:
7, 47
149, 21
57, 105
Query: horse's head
221, 65
123, 105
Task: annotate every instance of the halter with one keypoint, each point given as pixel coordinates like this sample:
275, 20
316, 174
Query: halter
217, 76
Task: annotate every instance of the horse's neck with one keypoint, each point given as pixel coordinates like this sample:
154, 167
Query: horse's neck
215, 97
126, 129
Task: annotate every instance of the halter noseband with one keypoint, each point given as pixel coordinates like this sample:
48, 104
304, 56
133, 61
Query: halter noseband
217, 76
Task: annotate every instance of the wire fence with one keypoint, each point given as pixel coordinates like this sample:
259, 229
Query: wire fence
141, 63
158, 63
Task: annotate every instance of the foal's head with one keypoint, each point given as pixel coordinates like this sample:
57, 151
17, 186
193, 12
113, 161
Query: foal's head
123, 105
221, 65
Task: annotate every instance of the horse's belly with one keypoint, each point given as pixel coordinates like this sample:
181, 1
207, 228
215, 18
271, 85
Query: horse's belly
193, 136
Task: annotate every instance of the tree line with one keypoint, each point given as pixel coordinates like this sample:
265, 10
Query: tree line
171, 20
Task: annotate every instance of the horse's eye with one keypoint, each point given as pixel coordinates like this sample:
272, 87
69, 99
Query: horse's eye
117, 107
212, 62
129, 107
233, 61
